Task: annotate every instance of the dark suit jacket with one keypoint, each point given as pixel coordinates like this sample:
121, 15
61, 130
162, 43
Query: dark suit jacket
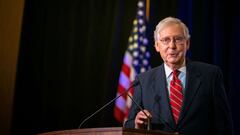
205, 107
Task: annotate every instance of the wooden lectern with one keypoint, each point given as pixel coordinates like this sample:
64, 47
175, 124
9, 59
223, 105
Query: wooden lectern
108, 131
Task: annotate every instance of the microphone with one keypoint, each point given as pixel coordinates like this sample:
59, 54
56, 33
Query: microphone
133, 84
148, 118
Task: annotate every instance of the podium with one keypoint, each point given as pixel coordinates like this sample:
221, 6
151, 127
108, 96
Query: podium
108, 131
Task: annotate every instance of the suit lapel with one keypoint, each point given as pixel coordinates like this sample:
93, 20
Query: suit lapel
160, 90
192, 84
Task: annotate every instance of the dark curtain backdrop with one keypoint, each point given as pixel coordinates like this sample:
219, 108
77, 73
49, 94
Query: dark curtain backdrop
71, 54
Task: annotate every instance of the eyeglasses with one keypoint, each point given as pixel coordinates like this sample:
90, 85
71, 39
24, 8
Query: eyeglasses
177, 40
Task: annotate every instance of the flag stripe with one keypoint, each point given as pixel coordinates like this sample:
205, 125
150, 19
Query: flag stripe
121, 104
121, 90
124, 80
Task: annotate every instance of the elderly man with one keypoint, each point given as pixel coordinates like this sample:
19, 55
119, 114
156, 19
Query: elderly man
180, 95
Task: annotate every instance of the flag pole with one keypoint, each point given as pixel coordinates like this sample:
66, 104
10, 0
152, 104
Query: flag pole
147, 9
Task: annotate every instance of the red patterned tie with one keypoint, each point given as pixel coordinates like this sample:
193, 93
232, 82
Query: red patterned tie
176, 96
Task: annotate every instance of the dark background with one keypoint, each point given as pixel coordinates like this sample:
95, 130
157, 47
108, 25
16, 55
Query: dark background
71, 53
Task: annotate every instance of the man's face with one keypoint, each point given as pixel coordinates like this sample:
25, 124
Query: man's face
172, 45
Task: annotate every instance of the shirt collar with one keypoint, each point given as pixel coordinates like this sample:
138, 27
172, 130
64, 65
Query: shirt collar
168, 70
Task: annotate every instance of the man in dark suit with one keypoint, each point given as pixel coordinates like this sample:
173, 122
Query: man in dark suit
180, 95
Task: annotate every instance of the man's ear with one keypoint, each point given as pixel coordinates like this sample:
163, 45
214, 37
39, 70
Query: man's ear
188, 44
156, 46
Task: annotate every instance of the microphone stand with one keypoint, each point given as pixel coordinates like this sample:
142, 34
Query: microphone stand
100, 109
125, 92
148, 119
134, 83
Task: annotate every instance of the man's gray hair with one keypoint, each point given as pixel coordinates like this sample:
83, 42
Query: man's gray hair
170, 20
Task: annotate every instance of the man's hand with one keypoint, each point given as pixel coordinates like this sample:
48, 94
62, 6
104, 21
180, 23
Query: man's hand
141, 119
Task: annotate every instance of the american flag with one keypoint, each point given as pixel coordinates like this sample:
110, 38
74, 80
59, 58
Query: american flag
136, 60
